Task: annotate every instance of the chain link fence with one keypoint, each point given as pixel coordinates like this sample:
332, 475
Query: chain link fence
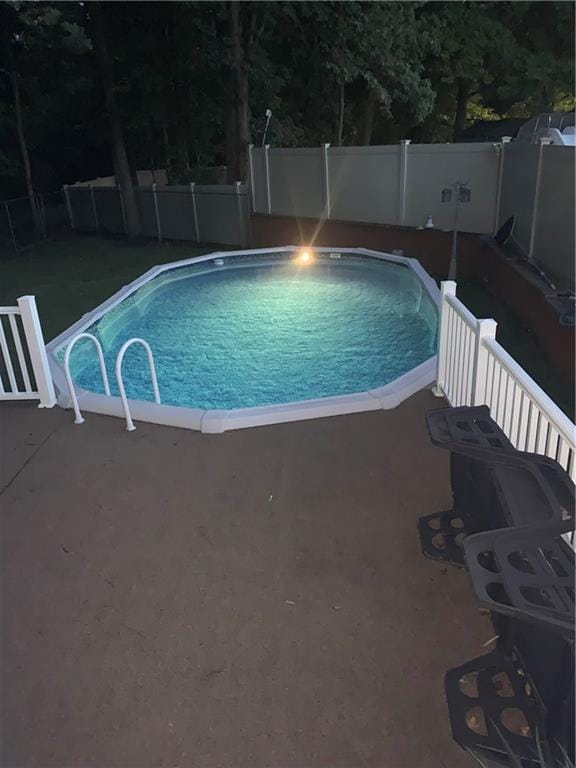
23, 225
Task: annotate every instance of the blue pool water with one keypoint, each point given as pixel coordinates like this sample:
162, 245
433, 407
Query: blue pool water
242, 336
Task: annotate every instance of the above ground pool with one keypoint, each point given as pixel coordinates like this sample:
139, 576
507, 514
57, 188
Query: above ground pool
256, 337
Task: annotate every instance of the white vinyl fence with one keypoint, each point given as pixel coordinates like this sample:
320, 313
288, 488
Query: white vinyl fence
473, 369
207, 213
398, 184
402, 184
24, 370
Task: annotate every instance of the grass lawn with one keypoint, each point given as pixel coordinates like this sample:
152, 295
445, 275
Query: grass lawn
71, 276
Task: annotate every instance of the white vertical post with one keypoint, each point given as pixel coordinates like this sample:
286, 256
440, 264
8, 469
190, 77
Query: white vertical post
502, 153
251, 168
448, 288
327, 201
69, 206
402, 182
157, 212
485, 329
37, 351
267, 169
543, 142
94, 211
195, 210
237, 185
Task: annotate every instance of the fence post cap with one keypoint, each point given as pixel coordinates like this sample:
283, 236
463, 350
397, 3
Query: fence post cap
326, 145
448, 287
487, 327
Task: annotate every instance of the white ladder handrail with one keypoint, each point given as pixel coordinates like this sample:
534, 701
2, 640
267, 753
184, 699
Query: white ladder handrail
78, 416
129, 423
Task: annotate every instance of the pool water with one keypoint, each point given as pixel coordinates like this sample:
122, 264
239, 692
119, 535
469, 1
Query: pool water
248, 335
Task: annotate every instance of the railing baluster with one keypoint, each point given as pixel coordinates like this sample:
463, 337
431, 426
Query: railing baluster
7, 360
542, 439
20, 353
458, 369
452, 353
563, 453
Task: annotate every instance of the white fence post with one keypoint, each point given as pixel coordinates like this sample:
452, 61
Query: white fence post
267, 169
251, 169
448, 288
37, 350
485, 329
69, 206
94, 211
195, 210
543, 142
403, 180
237, 185
157, 211
326, 180
505, 140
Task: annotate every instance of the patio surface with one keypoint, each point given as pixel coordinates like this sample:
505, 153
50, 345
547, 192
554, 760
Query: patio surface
253, 599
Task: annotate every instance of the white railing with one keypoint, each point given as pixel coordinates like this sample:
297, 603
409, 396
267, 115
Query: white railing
78, 418
24, 370
129, 423
473, 369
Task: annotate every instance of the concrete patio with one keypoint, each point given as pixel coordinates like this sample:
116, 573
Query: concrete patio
253, 599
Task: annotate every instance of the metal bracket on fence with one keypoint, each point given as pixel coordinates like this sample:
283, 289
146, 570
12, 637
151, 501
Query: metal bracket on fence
77, 414
129, 423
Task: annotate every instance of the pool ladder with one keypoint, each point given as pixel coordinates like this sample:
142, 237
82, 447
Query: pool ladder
78, 418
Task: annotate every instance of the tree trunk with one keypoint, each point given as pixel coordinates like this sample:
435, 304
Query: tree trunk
231, 145
341, 116
462, 96
121, 163
369, 118
242, 117
23, 144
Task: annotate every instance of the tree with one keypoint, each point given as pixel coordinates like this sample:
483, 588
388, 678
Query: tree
121, 165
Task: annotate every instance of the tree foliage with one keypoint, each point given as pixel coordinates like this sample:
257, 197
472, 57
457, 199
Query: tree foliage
193, 80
